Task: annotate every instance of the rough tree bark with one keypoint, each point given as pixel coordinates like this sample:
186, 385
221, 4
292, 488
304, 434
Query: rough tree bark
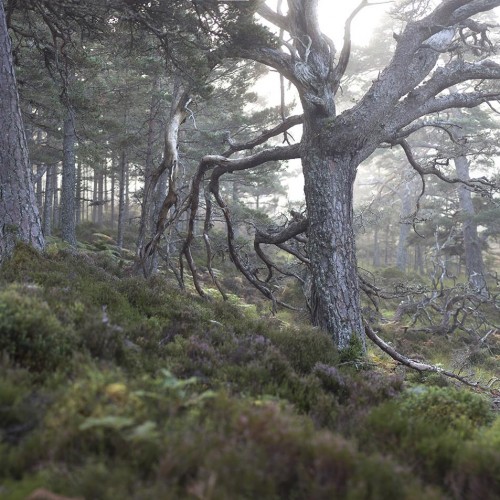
19, 216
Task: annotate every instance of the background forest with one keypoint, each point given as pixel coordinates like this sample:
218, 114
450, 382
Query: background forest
161, 346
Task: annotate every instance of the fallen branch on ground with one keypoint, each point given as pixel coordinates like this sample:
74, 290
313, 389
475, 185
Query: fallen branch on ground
416, 365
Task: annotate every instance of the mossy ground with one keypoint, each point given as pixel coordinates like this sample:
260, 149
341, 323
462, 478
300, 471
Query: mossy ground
116, 387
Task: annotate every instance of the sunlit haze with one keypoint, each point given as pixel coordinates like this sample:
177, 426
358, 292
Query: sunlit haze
332, 16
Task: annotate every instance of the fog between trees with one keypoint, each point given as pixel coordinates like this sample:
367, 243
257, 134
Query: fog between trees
145, 119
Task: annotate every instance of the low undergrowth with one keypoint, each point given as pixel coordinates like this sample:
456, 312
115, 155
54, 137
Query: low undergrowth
116, 387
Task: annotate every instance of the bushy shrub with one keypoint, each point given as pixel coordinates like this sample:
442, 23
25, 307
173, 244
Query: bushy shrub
428, 426
304, 347
30, 335
243, 450
476, 471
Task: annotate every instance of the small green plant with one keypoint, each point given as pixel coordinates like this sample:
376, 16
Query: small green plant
354, 352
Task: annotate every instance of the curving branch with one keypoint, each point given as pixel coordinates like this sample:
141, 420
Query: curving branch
264, 136
427, 98
345, 53
224, 165
273, 17
274, 58
477, 185
219, 165
283, 236
456, 11
420, 124
464, 100
279, 239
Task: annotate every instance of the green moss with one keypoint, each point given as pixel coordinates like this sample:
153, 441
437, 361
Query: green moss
166, 395
30, 335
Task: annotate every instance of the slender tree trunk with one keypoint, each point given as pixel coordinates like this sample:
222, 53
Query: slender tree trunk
472, 246
113, 182
121, 199
40, 169
404, 226
68, 185
49, 198
79, 194
55, 203
100, 198
387, 243
39, 186
169, 165
127, 196
160, 193
19, 216
94, 197
419, 260
105, 196
376, 247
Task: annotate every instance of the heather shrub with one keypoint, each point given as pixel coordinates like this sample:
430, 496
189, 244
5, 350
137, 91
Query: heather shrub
304, 347
428, 426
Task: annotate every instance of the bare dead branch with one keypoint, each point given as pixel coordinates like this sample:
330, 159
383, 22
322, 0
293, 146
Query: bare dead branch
345, 53
413, 364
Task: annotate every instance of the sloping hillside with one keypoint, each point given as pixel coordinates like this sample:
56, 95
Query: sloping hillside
114, 387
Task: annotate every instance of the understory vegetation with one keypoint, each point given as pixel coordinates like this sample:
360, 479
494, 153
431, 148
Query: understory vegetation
116, 387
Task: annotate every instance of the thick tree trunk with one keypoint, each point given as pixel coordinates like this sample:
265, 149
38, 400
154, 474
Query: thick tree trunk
68, 185
472, 246
19, 216
335, 302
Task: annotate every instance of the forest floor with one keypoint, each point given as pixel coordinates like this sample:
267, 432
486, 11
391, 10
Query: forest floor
115, 387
